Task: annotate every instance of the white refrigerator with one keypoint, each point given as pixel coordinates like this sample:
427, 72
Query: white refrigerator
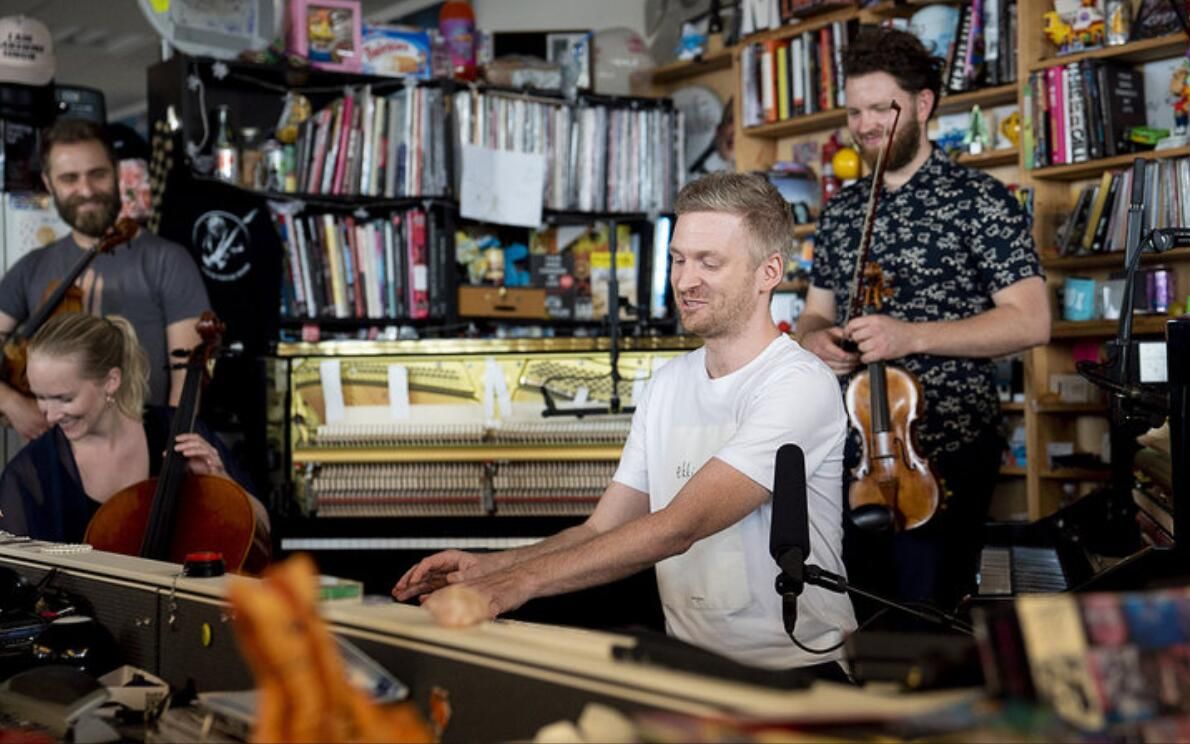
27, 221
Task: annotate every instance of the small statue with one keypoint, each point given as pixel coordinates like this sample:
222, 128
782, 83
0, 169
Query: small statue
1179, 96
977, 138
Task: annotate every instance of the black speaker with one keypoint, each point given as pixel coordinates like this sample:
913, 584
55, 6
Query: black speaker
77, 102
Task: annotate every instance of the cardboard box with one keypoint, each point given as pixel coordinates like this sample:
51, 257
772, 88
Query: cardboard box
502, 302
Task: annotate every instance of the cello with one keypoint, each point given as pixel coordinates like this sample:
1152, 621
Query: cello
177, 513
893, 486
63, 297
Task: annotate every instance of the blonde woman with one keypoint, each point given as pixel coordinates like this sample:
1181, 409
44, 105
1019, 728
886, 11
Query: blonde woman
89, 377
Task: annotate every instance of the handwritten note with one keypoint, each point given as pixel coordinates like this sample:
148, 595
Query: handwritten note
501, 186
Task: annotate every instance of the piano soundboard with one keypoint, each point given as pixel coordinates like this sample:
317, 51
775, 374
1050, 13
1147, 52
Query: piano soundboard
460, 434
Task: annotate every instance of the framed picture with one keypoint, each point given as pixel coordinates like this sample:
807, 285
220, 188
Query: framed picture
572, 51
327, 32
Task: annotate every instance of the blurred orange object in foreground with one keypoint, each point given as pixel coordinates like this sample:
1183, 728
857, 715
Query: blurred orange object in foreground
303, 692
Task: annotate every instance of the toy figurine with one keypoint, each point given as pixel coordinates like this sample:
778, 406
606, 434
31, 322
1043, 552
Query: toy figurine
1075, 32
977, 138
1179, 96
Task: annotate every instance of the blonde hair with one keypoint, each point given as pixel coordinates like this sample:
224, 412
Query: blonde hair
765, 213
99, 345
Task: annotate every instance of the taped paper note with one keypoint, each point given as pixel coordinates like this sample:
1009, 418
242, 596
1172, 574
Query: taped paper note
398, 392
495, 391
501, 186
332, 391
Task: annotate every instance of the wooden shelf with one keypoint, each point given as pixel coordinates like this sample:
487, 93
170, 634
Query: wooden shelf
805, 231
805, 124
1145, 50
1012, 471
674, 71
1141, 325
991, 158
1008, 406
879, 11
478, 453
1093, 168
993, 96
1076, 474
1072, 409
1113, 260
837, 117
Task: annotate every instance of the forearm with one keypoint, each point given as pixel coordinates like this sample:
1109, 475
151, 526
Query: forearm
9, 397
563, 540
606, 557
810, 321
993, 333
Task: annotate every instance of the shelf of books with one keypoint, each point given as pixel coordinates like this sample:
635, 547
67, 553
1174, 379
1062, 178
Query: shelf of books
1114, 259
1070, 409
1135, 52
790, 79
1141, 325
995, 95
1077, 110
685, 69
1097, 223
1080, 171
991, 158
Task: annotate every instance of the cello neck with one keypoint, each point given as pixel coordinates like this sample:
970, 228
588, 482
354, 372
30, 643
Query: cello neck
159, 531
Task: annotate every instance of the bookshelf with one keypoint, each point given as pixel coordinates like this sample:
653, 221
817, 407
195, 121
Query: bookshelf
1054, 190
406, 165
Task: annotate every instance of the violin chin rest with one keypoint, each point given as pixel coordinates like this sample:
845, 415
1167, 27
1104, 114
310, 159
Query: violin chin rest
872, 518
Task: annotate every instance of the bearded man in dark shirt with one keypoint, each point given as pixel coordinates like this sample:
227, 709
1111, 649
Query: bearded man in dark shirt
956, 250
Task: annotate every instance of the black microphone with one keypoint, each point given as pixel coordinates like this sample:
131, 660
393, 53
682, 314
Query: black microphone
789, 535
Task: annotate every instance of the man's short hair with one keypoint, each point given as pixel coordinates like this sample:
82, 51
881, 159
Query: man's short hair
750, 196
898, 53
66, 131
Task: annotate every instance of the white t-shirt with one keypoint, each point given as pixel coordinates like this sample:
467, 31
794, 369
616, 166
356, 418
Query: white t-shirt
719, 594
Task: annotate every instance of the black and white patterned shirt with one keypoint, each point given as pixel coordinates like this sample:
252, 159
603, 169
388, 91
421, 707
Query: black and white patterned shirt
946, 240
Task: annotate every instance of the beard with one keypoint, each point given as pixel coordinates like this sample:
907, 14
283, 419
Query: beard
903, 149
93, 222
723, 315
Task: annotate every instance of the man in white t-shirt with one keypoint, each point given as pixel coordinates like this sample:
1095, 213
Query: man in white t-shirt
692, 494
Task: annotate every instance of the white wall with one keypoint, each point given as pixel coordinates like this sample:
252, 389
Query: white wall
534, 15
547, 15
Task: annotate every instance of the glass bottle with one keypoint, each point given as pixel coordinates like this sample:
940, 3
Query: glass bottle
227, 157
456, 22
250, 158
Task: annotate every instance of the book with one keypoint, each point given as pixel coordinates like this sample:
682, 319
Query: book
1100, 238
1077, 103
1122, 102
1102, 191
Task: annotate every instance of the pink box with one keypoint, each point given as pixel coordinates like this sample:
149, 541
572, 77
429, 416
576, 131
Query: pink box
327, 32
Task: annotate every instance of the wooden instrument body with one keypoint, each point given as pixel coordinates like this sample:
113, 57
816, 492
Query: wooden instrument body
58, 297
212, 511
890, 474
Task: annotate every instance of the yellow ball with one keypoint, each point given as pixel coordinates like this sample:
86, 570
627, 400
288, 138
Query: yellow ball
846, 163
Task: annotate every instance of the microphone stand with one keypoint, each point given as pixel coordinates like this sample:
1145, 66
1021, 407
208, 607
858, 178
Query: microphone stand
789, 587
614, 405
1132, 406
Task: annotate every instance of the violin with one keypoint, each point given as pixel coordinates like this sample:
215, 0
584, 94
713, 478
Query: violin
59, 297
177, 513
893, 486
